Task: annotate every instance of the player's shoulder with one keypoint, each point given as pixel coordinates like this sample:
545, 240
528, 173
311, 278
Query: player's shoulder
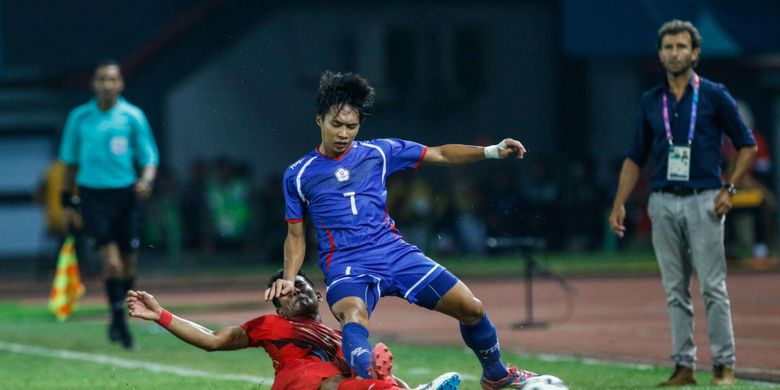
377, 141
396, 146
295, 167
384, 143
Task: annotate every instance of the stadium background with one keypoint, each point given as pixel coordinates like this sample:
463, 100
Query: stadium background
228, 87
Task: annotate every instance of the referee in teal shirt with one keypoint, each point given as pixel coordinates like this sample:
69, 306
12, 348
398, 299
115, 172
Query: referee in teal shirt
103, 142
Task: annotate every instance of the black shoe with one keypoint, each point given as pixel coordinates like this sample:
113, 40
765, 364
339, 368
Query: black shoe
125, 337
114, 333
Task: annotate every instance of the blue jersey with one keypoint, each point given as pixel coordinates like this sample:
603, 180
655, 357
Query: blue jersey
106, 144
346, 199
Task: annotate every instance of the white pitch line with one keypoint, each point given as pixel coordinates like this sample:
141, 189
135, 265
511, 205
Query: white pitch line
645, 366
126, 363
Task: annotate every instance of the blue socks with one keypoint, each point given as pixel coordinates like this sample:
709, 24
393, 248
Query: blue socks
481, 338
356, 349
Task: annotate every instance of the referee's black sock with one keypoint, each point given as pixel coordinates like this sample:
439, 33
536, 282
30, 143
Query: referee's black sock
116, 297
116, 289
128, 284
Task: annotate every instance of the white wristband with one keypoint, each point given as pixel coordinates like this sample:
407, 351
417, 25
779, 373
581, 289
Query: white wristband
492, 151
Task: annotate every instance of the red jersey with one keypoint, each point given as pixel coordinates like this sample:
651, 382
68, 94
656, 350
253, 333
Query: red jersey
296, 342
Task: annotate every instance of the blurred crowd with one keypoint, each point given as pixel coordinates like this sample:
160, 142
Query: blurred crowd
443, 211
217, 208
455, 213
221, 207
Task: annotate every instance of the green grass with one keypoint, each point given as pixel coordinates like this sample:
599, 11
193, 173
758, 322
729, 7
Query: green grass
85, 332
564, 264
568, 264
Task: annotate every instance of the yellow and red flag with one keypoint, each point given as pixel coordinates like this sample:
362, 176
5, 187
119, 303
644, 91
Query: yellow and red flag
67, 286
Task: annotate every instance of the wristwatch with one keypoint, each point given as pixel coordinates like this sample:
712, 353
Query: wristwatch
730, 188
69, 200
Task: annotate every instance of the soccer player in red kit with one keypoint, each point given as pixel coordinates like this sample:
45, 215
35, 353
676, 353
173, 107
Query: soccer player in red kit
306, 354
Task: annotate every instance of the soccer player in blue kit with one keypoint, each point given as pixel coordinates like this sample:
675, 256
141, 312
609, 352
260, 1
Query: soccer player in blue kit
341, 185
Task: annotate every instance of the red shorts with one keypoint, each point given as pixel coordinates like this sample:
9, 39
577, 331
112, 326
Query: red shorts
305, 375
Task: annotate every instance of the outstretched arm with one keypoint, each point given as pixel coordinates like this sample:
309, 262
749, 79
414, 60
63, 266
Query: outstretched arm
454, 154
141, 304
294, 253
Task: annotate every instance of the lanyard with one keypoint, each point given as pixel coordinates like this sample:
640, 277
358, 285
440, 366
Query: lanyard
694, 106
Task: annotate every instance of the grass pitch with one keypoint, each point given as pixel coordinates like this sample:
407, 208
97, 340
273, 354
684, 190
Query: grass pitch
37, 352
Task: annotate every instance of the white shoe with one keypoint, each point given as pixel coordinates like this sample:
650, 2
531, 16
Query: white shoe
448, 381
544, 382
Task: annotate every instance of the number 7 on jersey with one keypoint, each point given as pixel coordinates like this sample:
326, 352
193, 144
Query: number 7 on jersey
351, 196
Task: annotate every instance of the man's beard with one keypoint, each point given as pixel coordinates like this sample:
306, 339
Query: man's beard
688, 66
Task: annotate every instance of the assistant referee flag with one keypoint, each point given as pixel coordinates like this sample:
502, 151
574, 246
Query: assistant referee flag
67, 286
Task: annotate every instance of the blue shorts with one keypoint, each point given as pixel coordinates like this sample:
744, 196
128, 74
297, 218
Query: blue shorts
414, 277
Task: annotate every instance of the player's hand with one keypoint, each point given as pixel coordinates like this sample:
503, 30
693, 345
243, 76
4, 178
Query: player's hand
278, 288
141, 304
143, 188
512, 147
722, 203
616, 218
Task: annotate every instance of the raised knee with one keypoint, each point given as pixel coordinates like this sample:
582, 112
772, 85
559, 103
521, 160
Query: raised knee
113, 269
348, 316
347, 311
472, 311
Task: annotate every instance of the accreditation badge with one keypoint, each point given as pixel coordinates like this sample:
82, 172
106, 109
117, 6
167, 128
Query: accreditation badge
679, 165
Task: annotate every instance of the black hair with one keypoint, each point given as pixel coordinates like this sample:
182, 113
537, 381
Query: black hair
279, 275
676, 26
339, 89
108, 62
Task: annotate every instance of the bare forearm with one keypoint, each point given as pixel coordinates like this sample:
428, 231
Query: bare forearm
744, 162
149, 173
193, 334
294, 253
223, 339
141, 304
629, 175
454, 154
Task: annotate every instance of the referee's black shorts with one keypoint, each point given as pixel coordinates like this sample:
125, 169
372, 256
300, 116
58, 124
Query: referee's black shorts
111, 215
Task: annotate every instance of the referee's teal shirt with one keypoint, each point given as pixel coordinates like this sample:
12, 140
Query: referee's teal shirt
105, 145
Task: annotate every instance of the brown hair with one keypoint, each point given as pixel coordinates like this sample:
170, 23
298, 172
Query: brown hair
677, 26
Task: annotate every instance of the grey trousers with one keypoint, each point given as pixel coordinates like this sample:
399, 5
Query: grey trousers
688, 236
